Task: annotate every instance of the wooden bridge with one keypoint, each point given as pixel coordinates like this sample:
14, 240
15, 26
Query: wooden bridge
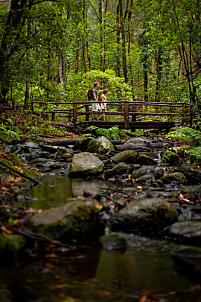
127, 115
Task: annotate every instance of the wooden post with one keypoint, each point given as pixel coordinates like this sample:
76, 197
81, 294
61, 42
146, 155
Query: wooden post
74, 113
31, 107
126, 115
53, 116
183, 115
87, 112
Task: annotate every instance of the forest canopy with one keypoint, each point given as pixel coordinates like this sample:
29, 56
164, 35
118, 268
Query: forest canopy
141, 50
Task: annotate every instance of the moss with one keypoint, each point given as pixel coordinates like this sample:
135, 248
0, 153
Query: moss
80, 225
13, 161
170, 158
176, 176
12, 243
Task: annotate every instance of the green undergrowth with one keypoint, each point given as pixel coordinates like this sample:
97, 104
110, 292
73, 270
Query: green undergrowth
113, 133
191, 138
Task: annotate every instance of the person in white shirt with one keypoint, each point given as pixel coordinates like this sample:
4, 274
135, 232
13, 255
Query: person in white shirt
103, 104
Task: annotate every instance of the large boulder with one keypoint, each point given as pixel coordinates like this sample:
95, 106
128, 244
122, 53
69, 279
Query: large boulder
186, 231
100, 145
127, 157
85, 164
149, 214
74, 221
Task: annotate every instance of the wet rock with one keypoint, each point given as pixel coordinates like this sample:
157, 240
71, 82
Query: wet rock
170, 158
144, 178
48, 148
138, 141
64, 154
146, 160
31, 145
148, 214
127, 157
113, 241
45, 154
186, 231
145, 170
176, 176
100, 145
72, 221
85, 164
137, 148
117, 169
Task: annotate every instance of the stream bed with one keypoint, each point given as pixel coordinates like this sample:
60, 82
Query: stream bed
144, 271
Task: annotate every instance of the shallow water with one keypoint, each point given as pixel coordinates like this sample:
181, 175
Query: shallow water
90, 273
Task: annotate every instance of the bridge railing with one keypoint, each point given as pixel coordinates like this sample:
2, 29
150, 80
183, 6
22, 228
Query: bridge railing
123, 111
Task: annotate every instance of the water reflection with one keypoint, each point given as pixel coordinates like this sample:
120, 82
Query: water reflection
57, 190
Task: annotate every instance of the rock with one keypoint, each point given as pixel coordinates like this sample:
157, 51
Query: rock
186, 231
128, 157
82, 144
118, 169
146, 160
64, 154
48, 148
113, 241
176, 176
144, 178
145, 170
72, 221
138, 141
148, 214
12, 243
31, 145
85, 164
137, 148
170, 158
100, 145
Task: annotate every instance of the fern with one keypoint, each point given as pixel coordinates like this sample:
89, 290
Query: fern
196, 154
188, 134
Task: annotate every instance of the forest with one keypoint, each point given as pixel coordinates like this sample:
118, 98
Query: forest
139, 50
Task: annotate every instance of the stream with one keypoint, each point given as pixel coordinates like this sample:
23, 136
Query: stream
144, 271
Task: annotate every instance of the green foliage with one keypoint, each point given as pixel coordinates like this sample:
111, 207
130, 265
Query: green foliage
7, 134
186, 133
191, 136
113, 133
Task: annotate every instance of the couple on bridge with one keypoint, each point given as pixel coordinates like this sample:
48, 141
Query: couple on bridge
97, 104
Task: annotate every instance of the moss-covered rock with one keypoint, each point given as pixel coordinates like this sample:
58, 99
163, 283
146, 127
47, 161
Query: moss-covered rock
171, 158
145, 170
117, 169
12, 243
82, 144
146, 160
144, 178
186, 231
128, 157
100, 145
72, 221
148, 214
113, 241
176, 176
85, 164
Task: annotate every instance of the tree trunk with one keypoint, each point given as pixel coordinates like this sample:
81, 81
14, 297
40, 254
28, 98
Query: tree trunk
159, 69
61, 72
117, 40
123, 36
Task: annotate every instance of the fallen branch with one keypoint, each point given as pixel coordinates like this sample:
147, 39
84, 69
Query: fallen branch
42, 238
116, 202
19, 173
